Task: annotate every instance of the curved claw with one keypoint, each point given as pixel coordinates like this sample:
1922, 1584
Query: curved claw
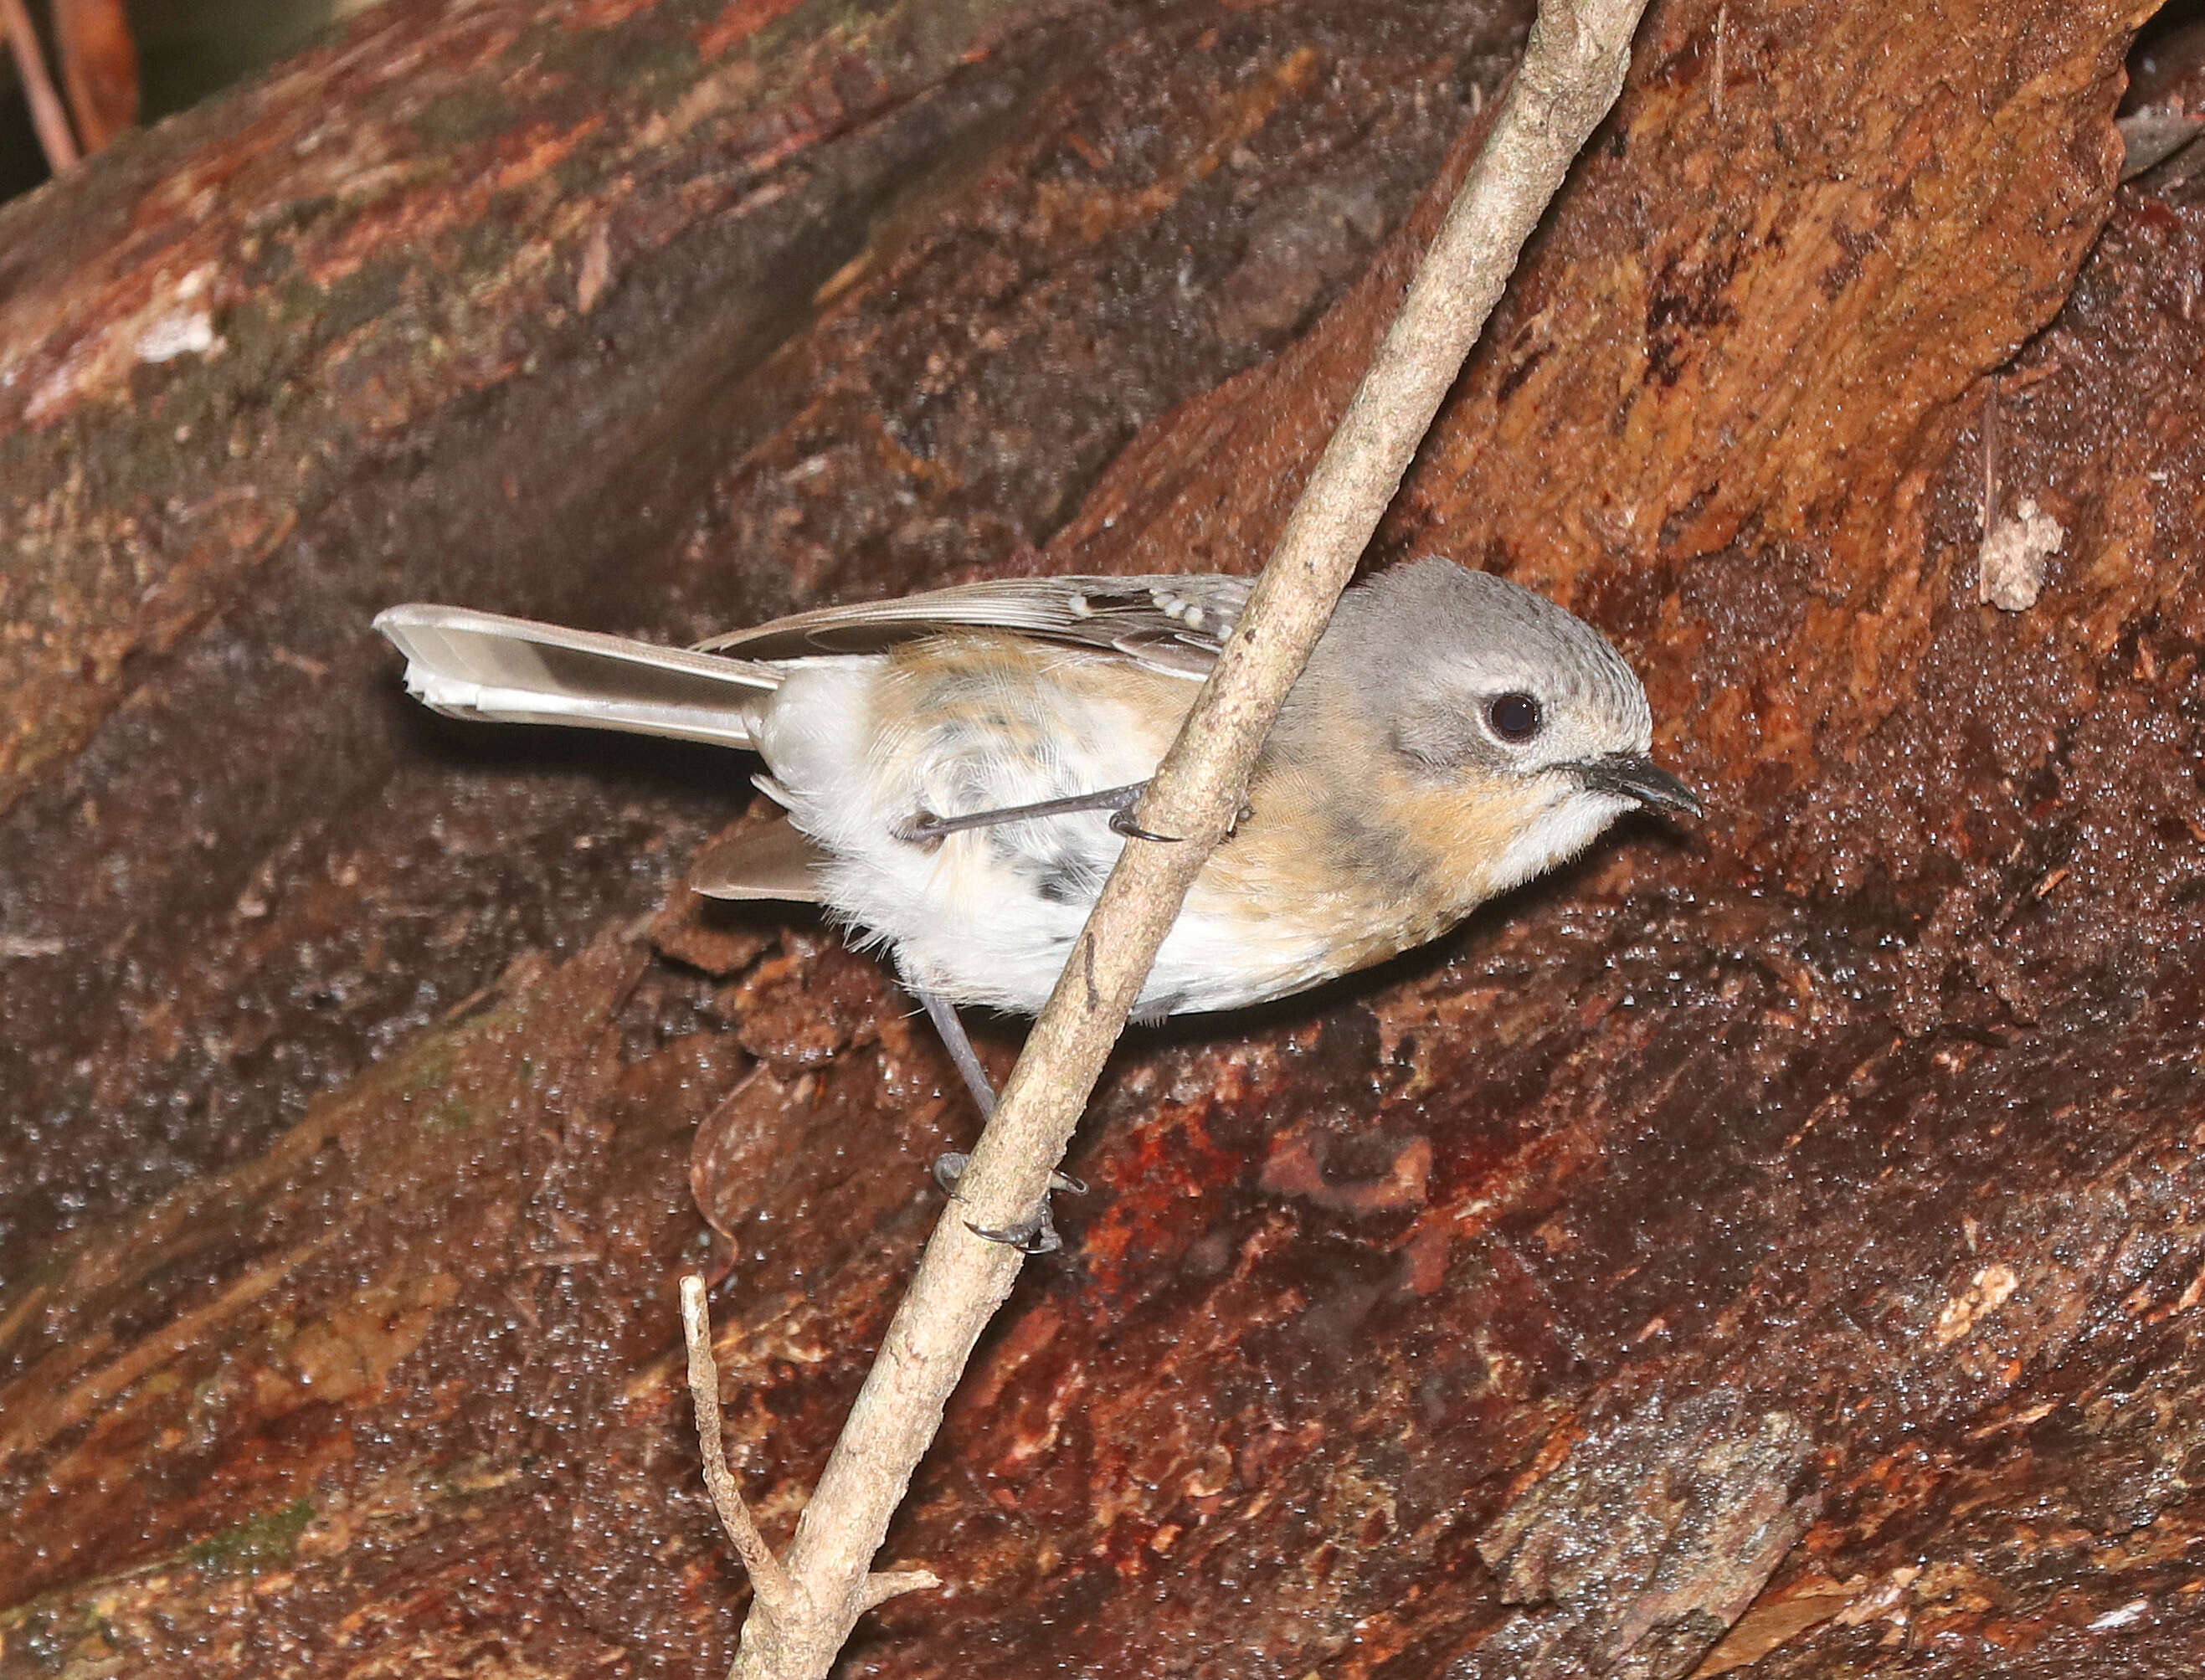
1121, 822
1037, 1235
1033, 1235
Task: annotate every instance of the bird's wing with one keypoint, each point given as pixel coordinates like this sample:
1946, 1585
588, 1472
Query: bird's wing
771, 861
509, 670
1170, 623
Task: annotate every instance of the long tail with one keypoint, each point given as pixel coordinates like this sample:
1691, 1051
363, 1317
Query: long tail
509, 670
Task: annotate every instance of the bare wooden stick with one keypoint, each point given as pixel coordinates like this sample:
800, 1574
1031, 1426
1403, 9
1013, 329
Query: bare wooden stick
1722, 72
1572, 70
770, 1583
48, 120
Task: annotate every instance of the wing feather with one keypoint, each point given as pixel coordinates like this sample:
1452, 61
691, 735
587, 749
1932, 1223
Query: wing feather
1173, 624
774, 860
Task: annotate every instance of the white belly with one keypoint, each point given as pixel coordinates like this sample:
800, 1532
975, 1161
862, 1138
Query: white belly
988, 915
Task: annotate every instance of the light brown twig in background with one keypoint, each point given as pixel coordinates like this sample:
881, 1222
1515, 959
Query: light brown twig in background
1990, 514
47, 117
769, 1581
771, 1585
1722, 71
1572, 70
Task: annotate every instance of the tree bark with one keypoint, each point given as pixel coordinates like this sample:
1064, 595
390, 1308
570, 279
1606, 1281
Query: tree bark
1775, 1243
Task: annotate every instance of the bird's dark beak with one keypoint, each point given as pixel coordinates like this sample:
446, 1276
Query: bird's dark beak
1636, 776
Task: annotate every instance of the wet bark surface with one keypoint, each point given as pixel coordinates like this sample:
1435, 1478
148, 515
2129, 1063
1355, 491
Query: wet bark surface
1773, 1244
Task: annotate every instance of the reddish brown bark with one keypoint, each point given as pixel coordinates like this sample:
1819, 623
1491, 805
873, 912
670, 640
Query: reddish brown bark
1785, 1233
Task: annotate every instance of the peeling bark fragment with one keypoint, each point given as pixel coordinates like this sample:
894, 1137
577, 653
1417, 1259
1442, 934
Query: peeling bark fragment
1649, 1538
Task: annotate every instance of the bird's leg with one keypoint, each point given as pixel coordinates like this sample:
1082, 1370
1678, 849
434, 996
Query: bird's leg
926, 828
1037, 1235
943, 1014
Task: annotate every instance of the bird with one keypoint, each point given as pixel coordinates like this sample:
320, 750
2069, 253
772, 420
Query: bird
957, 770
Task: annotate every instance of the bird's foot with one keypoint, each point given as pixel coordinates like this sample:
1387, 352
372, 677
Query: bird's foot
1036, 1234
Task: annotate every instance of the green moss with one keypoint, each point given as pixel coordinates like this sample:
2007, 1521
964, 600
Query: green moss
463, 117
449, 1115
39, 1634
373, 290
301, 300
58, 1640
641, 56
258, 1543
428, 1068
689, 16
654, 67
265, 342
488, 246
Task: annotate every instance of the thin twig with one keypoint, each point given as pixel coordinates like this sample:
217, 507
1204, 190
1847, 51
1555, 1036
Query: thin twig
1990, 515
1572, 70
770, 1583
1722, 72
48, 119
777, 1599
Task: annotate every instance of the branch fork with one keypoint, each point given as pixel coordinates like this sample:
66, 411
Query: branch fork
782, 1607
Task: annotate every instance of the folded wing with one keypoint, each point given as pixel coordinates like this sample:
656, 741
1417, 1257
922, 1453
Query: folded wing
1167, 623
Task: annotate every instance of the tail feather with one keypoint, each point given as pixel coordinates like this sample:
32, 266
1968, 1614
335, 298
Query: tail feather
494, 669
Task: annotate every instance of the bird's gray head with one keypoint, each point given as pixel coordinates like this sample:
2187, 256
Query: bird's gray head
1469, 676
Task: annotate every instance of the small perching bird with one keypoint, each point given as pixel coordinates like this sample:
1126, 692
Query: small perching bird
958, 768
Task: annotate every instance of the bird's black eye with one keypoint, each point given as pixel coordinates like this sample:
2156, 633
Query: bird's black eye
1513, 717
